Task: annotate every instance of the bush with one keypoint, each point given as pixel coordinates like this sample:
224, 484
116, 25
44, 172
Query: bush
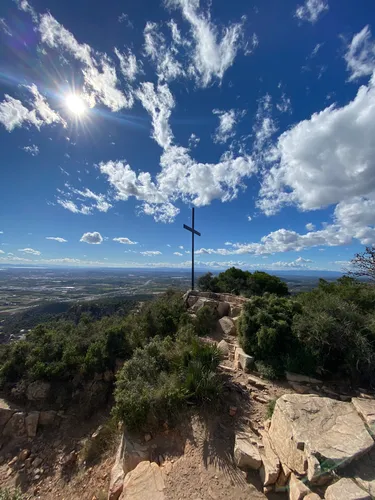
244, 283
7, 494
162, 377
205, 321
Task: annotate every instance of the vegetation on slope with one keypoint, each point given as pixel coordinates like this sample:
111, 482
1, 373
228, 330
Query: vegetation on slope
244, 283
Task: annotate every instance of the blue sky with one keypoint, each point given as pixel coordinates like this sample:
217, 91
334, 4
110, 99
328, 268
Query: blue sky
117, 117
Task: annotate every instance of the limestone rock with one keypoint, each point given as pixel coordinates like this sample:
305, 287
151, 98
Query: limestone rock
223, 309
246, 454
226, 326
117, 475
15, 427
257, 382
312, 496
346, 489
297, 489
366, 408
223, 346
38, 390
133, 452
47, 417
235, 310
31, 423
304, 427
269, 471
145, 482
242, 359
303, 379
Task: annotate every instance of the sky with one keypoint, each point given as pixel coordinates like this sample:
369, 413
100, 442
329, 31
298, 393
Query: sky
116, 118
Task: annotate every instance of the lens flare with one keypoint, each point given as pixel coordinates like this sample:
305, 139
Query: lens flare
75, 105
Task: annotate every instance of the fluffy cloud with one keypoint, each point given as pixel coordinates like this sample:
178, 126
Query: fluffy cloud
360, 56
178, 253
56, 238
2, 251
310, 226
264, 126
214, 50
94, 238
227, 124
33, 150
311, 10
99, 73
72, 207
129, 65
150, 253
30, 251
125, 241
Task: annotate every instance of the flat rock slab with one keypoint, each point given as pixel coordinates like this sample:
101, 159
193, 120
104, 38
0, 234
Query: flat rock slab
145, 482
246, 454
305, 428
366, 408
303, 379
346, 489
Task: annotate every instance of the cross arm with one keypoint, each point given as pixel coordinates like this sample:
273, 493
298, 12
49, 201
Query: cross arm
191, 230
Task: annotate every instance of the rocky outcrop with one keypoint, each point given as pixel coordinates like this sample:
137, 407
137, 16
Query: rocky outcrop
223, 347
307, 431
246, 454
145, 482
38, 390
270, 469
31, 423
297, 489
366, 408
346, 489
242, 360
15, 423
226, 326
225, 304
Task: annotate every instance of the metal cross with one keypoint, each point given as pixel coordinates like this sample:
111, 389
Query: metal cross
193, 232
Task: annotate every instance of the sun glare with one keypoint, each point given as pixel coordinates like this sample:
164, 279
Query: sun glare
75, 104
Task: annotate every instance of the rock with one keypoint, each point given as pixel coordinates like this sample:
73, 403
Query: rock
235, 311
147, 437
145, 482
261, 399
242, 359
223, 309
267, 490
37, 461
312, 496
226, 326
116, 482
223, 346
47, 417
299, 388
306, 427
232, 411
297, 489
366, 408
38, 390
31, 423
24, 455
257, 382
133, 453
269, 471
15, 427
5, 412
346, 489
304, 379
246, 454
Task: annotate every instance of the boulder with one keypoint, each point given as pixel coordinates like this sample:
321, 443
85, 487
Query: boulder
38, 390
312, 496
31, 423
226, 326
223, 347
246, 454
242, 360
269, 471
47, 417
307, 430
5, 412
366, 408
297, 489
346, 489
257, 382
145, 482
235, 310
116, 482
223, 309
303, 379
133, 452
15, 427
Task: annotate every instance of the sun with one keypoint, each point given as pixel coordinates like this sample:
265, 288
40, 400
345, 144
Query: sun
75, 104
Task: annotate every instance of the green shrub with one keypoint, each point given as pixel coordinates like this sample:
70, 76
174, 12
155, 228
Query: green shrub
244, 283
206, 320
271, 408
95, 446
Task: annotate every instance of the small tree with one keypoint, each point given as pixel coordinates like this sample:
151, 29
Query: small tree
364, 264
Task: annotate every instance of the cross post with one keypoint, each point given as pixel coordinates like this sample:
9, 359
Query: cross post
193, 232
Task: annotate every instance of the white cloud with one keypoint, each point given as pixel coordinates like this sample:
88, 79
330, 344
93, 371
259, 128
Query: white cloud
311, 10
228, 243
285, 105
178, 253
94, 238
100, 84
33, 150
29, 250
181, 247
264, 126
56, 238
125, 241
228, 122
316, 49
215, 50
249, 218
163, 55
4, 27
150, 253
72, 207
193, 141
158, 103
2, 251
129, 65
360, 56
310, 226
100, 203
